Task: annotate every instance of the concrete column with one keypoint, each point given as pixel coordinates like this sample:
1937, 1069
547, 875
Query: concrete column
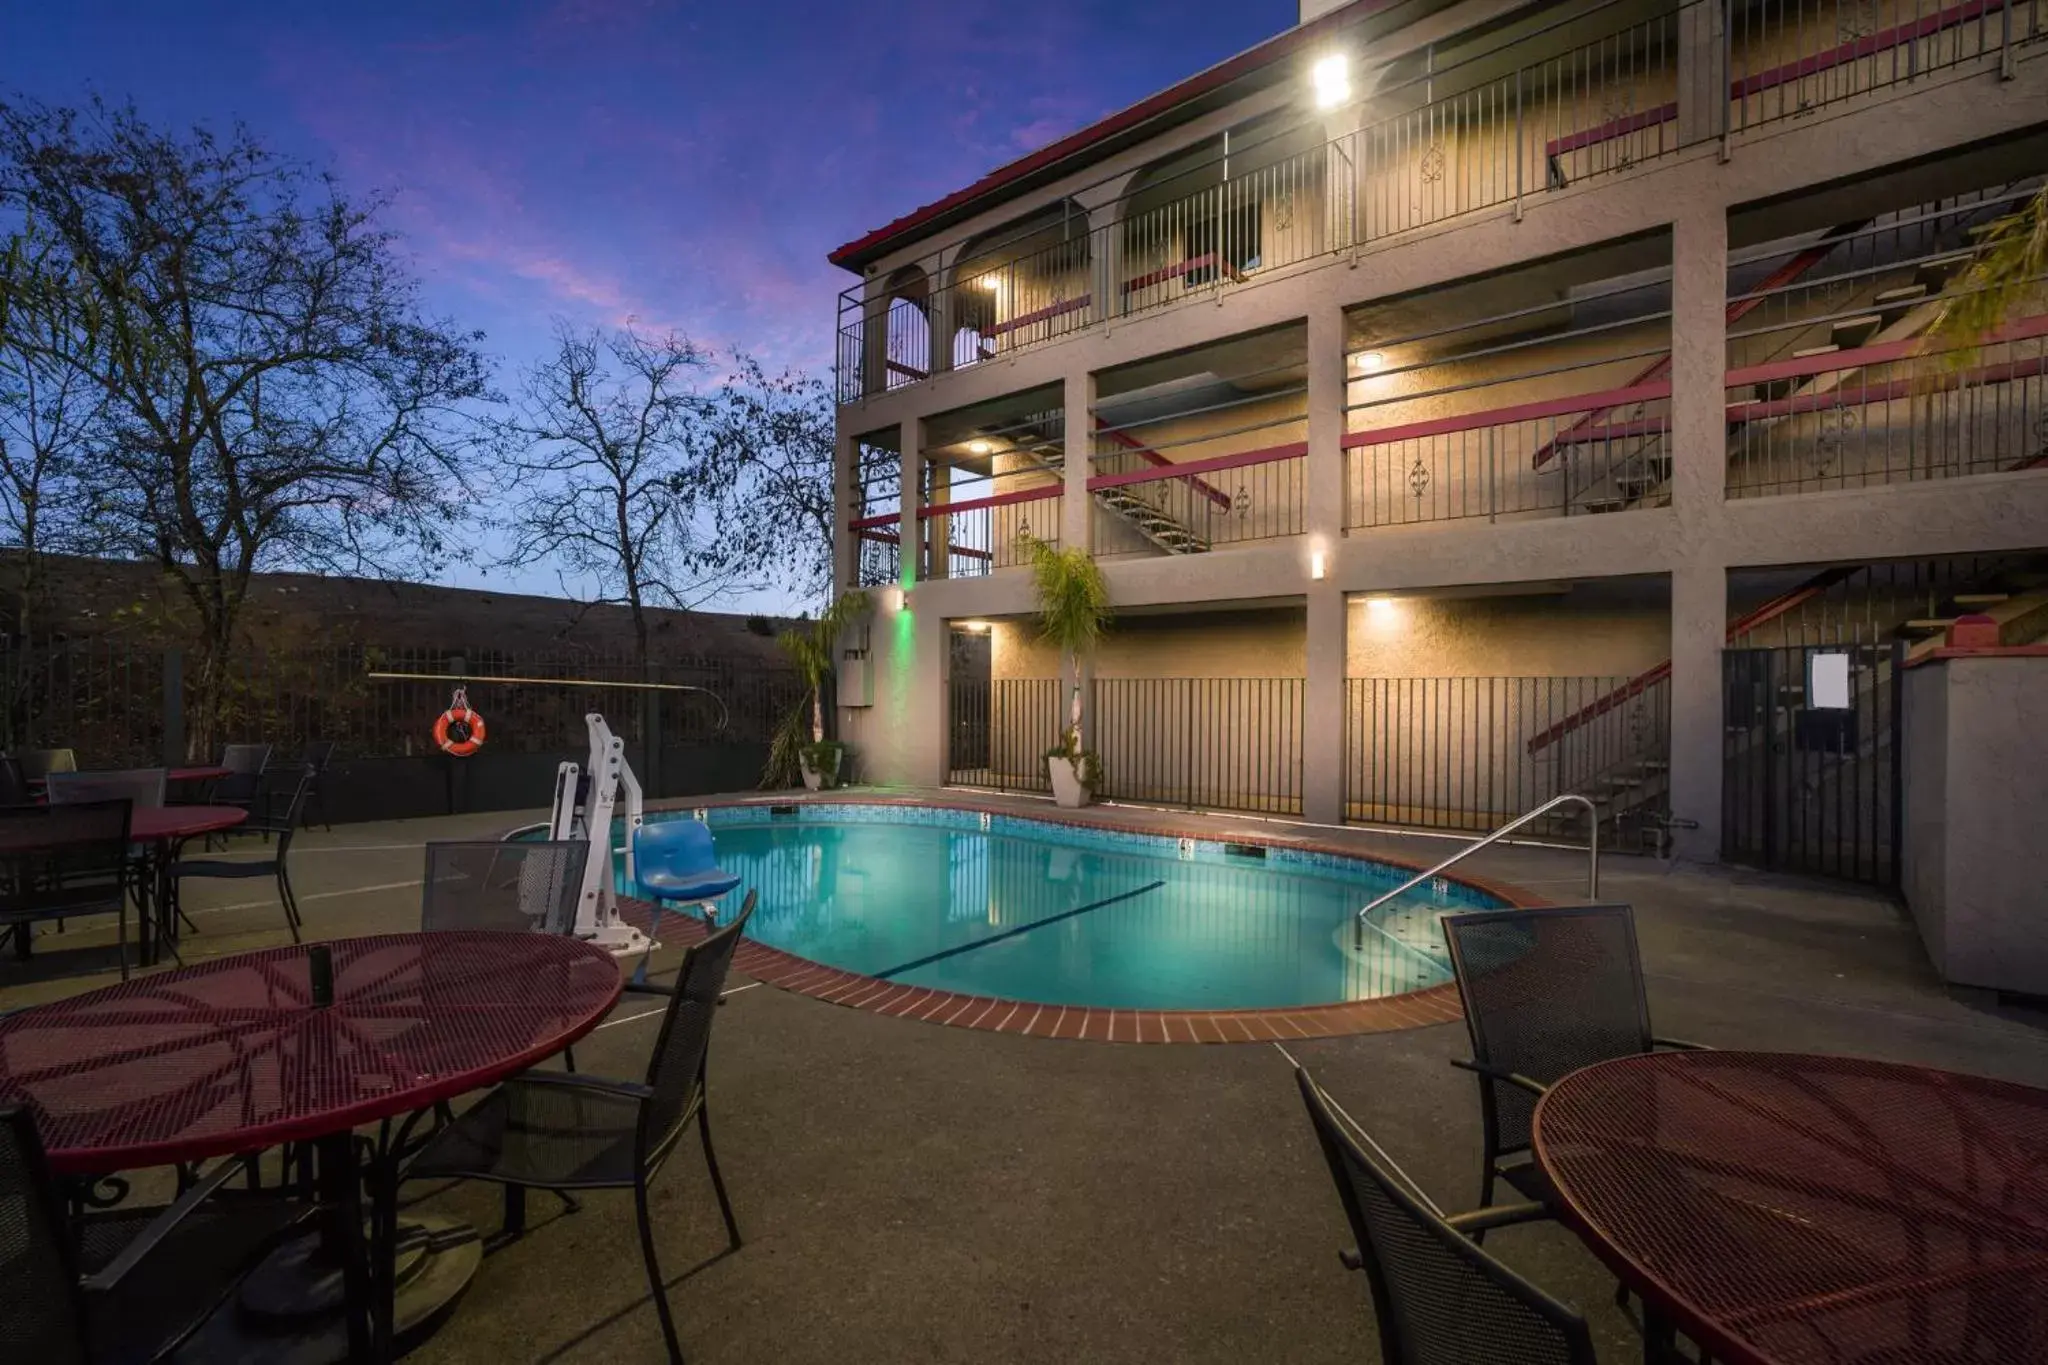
1699, 582
1322, 758
1077, 511
909, 530
941, 309
874, 337
1699, 627
938, 531
1702, 72
845, 507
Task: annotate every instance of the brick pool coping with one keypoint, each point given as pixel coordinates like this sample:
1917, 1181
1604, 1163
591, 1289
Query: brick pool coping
994, 1014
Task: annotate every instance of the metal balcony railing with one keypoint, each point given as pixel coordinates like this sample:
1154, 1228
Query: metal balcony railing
1451, 141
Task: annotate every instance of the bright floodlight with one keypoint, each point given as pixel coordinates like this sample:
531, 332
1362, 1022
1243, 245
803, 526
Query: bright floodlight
1332, 77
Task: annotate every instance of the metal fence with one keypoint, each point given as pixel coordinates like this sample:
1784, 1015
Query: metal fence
1473, 753
998, 731
121, 703
1812, 788
1210, 743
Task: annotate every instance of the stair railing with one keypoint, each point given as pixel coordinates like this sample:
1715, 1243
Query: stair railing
1568, 798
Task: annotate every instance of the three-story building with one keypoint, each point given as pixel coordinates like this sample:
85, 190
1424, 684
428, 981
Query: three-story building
1468, 401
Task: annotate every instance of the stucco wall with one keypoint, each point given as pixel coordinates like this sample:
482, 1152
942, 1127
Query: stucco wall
1568, 634
1976, 786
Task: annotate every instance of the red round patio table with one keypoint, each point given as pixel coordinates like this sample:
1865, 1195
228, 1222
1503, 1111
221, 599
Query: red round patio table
233, 1056
1786, 1209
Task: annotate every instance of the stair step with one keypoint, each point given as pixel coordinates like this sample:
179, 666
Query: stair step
1804, 352
1605, 505
1849, 333
1927, 625
1980, 599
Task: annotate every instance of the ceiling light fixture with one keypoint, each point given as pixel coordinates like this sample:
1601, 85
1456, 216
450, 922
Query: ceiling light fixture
979, 447
1369, 361
1332, 79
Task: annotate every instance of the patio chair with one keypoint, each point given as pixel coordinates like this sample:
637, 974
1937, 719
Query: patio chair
245, 764
280, 822
1545, 992
127, 1285
515, 885
142, 786
558, 1131
1438, 1297
37, 764
58, 862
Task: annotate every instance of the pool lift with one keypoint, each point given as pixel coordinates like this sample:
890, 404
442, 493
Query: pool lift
586, 803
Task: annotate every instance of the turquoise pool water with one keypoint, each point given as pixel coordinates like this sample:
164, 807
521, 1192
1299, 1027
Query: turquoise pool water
1053, 914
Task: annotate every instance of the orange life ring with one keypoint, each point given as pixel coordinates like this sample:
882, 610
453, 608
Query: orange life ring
459, 731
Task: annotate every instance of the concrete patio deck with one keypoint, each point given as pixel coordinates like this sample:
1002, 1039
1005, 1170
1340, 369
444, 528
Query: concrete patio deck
912, 1192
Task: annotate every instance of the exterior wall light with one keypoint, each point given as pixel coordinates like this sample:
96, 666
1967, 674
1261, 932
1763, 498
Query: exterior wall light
892, 598
1332, 79
979, 447
1316, 566
1370, 361
990, 283
976, 627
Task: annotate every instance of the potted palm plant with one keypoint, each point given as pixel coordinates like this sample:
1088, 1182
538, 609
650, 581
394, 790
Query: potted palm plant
800, 746
1073, 611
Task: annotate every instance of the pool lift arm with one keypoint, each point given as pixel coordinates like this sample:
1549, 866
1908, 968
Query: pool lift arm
586, 802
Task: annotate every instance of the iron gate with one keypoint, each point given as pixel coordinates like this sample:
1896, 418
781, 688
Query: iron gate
1810, 760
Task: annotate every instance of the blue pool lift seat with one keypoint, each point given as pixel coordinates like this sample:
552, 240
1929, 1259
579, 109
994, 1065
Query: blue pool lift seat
674, 862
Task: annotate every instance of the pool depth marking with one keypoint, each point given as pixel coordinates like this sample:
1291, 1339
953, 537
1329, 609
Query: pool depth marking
960, 948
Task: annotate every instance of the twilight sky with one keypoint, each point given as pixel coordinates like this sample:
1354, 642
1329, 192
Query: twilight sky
684, 162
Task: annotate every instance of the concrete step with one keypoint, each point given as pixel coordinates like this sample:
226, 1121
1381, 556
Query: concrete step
1894, 304
1849, 333
1980, 599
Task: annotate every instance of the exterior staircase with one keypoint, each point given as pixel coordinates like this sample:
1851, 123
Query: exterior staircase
1042, 441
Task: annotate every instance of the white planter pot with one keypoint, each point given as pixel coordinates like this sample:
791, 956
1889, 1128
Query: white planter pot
1067, 788
816, 780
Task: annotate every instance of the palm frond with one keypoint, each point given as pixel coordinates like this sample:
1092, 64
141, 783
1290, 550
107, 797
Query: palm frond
1073, 598
2007, 268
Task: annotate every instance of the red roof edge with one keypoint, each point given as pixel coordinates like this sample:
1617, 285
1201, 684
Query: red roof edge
1272, 50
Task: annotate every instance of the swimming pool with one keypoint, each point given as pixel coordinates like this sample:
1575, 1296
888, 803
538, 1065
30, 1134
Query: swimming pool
1035, 911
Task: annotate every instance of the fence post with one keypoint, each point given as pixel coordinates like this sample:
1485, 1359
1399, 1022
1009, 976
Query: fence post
650, 732
174, 707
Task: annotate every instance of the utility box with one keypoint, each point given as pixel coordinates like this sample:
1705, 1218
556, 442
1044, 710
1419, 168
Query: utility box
856, 673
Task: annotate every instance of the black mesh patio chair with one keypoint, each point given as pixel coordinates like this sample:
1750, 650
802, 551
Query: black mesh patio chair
1438, 1297
1545, 992
515, 885
121, 1287
144, 787
559, 1131
59, 862
278, 825
37, 764
245, 764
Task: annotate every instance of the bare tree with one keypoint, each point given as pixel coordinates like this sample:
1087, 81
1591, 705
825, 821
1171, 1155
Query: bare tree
49, 412
771, 464
607, 477
273, 394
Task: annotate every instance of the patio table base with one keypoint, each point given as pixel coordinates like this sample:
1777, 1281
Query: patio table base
290, 1311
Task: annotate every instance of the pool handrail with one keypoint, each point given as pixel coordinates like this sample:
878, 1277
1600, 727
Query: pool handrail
1592, 851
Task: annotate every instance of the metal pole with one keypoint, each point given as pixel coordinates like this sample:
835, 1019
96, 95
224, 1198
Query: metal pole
174, 707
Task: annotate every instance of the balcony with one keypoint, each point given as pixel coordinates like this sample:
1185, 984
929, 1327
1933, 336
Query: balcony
1488, 129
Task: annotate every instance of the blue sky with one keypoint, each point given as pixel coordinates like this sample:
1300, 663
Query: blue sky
687, 165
